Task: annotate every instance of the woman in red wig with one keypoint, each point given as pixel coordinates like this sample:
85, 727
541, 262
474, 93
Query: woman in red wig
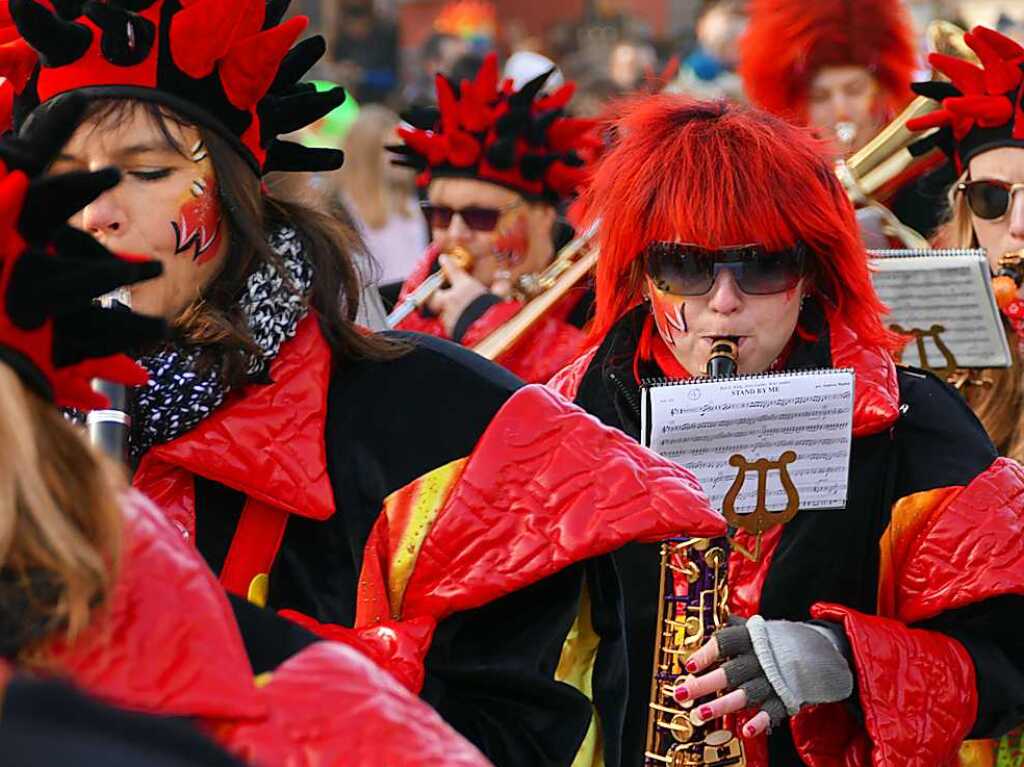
842, 67
894, 614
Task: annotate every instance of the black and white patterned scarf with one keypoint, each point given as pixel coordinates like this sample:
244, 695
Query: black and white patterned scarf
180, 395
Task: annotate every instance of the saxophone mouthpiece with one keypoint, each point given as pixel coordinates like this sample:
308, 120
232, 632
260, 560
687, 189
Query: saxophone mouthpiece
722, 360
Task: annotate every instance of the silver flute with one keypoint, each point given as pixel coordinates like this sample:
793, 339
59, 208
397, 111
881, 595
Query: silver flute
109, 427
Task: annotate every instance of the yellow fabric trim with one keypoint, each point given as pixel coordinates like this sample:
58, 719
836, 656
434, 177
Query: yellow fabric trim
576, 668
411, 512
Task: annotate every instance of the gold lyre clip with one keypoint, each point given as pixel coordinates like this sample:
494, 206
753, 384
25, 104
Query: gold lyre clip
935, 333
761, 518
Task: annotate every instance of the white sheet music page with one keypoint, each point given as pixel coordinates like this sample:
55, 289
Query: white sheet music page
700, 424
952, 289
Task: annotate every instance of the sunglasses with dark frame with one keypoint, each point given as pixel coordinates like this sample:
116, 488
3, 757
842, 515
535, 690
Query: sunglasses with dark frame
476, 217
988, 198
690, 270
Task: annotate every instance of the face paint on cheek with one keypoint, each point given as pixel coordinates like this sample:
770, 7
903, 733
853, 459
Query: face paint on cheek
512, 242
669, 314
198, 226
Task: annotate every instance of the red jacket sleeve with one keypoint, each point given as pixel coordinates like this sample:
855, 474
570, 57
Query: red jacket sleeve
330, 705
944, 549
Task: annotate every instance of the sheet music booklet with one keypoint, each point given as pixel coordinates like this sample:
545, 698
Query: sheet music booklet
946, 298
795, 424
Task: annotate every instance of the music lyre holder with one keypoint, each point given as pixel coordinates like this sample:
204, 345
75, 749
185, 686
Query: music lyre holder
761, 518
935, 334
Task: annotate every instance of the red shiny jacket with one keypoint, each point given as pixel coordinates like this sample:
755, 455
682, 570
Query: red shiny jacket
952, 547
167, 644
545, 349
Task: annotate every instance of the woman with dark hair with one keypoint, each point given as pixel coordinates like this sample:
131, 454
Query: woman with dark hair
398, 486
96, 587
897, 613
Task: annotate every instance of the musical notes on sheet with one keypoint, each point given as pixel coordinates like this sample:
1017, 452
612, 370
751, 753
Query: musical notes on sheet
701, 424
929, 288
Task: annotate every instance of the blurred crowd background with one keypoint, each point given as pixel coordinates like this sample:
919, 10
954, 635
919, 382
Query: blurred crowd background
386, 52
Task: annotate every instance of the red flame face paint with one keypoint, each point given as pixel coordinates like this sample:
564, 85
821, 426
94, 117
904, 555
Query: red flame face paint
669, 313
512, 242
198, 226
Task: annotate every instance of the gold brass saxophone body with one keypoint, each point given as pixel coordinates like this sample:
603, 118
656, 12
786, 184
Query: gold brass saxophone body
693, 595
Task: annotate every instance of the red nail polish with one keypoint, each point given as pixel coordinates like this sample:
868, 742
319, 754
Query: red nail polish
705, 712
691, 666
682, 693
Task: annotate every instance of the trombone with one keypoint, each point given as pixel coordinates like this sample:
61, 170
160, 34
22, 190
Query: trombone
571, 265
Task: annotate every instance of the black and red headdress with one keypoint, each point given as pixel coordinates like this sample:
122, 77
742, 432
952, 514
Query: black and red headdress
788, 41
51, 332
520, 139
229, 65
980, 107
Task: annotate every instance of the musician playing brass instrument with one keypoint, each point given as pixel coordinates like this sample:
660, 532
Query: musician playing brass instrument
843, 68
495, 161
896, 614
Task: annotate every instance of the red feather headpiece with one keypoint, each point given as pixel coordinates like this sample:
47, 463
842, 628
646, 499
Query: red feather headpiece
980, 107
228, 65
518, 139
788, 41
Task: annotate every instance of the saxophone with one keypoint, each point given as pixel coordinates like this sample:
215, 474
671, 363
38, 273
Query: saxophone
692, 605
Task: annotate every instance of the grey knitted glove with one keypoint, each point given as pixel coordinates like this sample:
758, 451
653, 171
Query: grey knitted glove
783, 666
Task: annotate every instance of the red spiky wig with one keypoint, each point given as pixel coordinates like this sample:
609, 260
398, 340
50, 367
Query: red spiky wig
228, 65
716, 174
514, 138
788, 41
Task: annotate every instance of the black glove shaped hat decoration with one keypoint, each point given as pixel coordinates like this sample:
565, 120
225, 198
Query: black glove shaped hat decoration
52, 333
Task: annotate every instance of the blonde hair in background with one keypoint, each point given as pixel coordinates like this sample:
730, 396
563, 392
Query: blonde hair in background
60, 518
999, 407
375, 189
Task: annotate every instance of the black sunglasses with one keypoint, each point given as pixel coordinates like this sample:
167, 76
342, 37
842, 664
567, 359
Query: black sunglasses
690, 270
988, 198
477, 218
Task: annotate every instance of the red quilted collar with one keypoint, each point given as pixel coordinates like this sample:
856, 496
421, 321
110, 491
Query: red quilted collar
876, 404
267, 441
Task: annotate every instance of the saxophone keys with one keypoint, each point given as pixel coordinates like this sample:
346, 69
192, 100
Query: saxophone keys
681, 728
722, 747
715, 557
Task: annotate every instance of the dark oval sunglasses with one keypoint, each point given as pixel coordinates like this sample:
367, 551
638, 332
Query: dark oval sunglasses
988, 198
477, 218
690, 270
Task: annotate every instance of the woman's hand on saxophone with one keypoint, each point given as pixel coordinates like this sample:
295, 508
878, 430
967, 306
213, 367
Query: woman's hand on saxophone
776, 667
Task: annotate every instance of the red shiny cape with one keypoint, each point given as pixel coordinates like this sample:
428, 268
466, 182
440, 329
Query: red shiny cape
167, 644
546, 486
549, 345
951, 547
